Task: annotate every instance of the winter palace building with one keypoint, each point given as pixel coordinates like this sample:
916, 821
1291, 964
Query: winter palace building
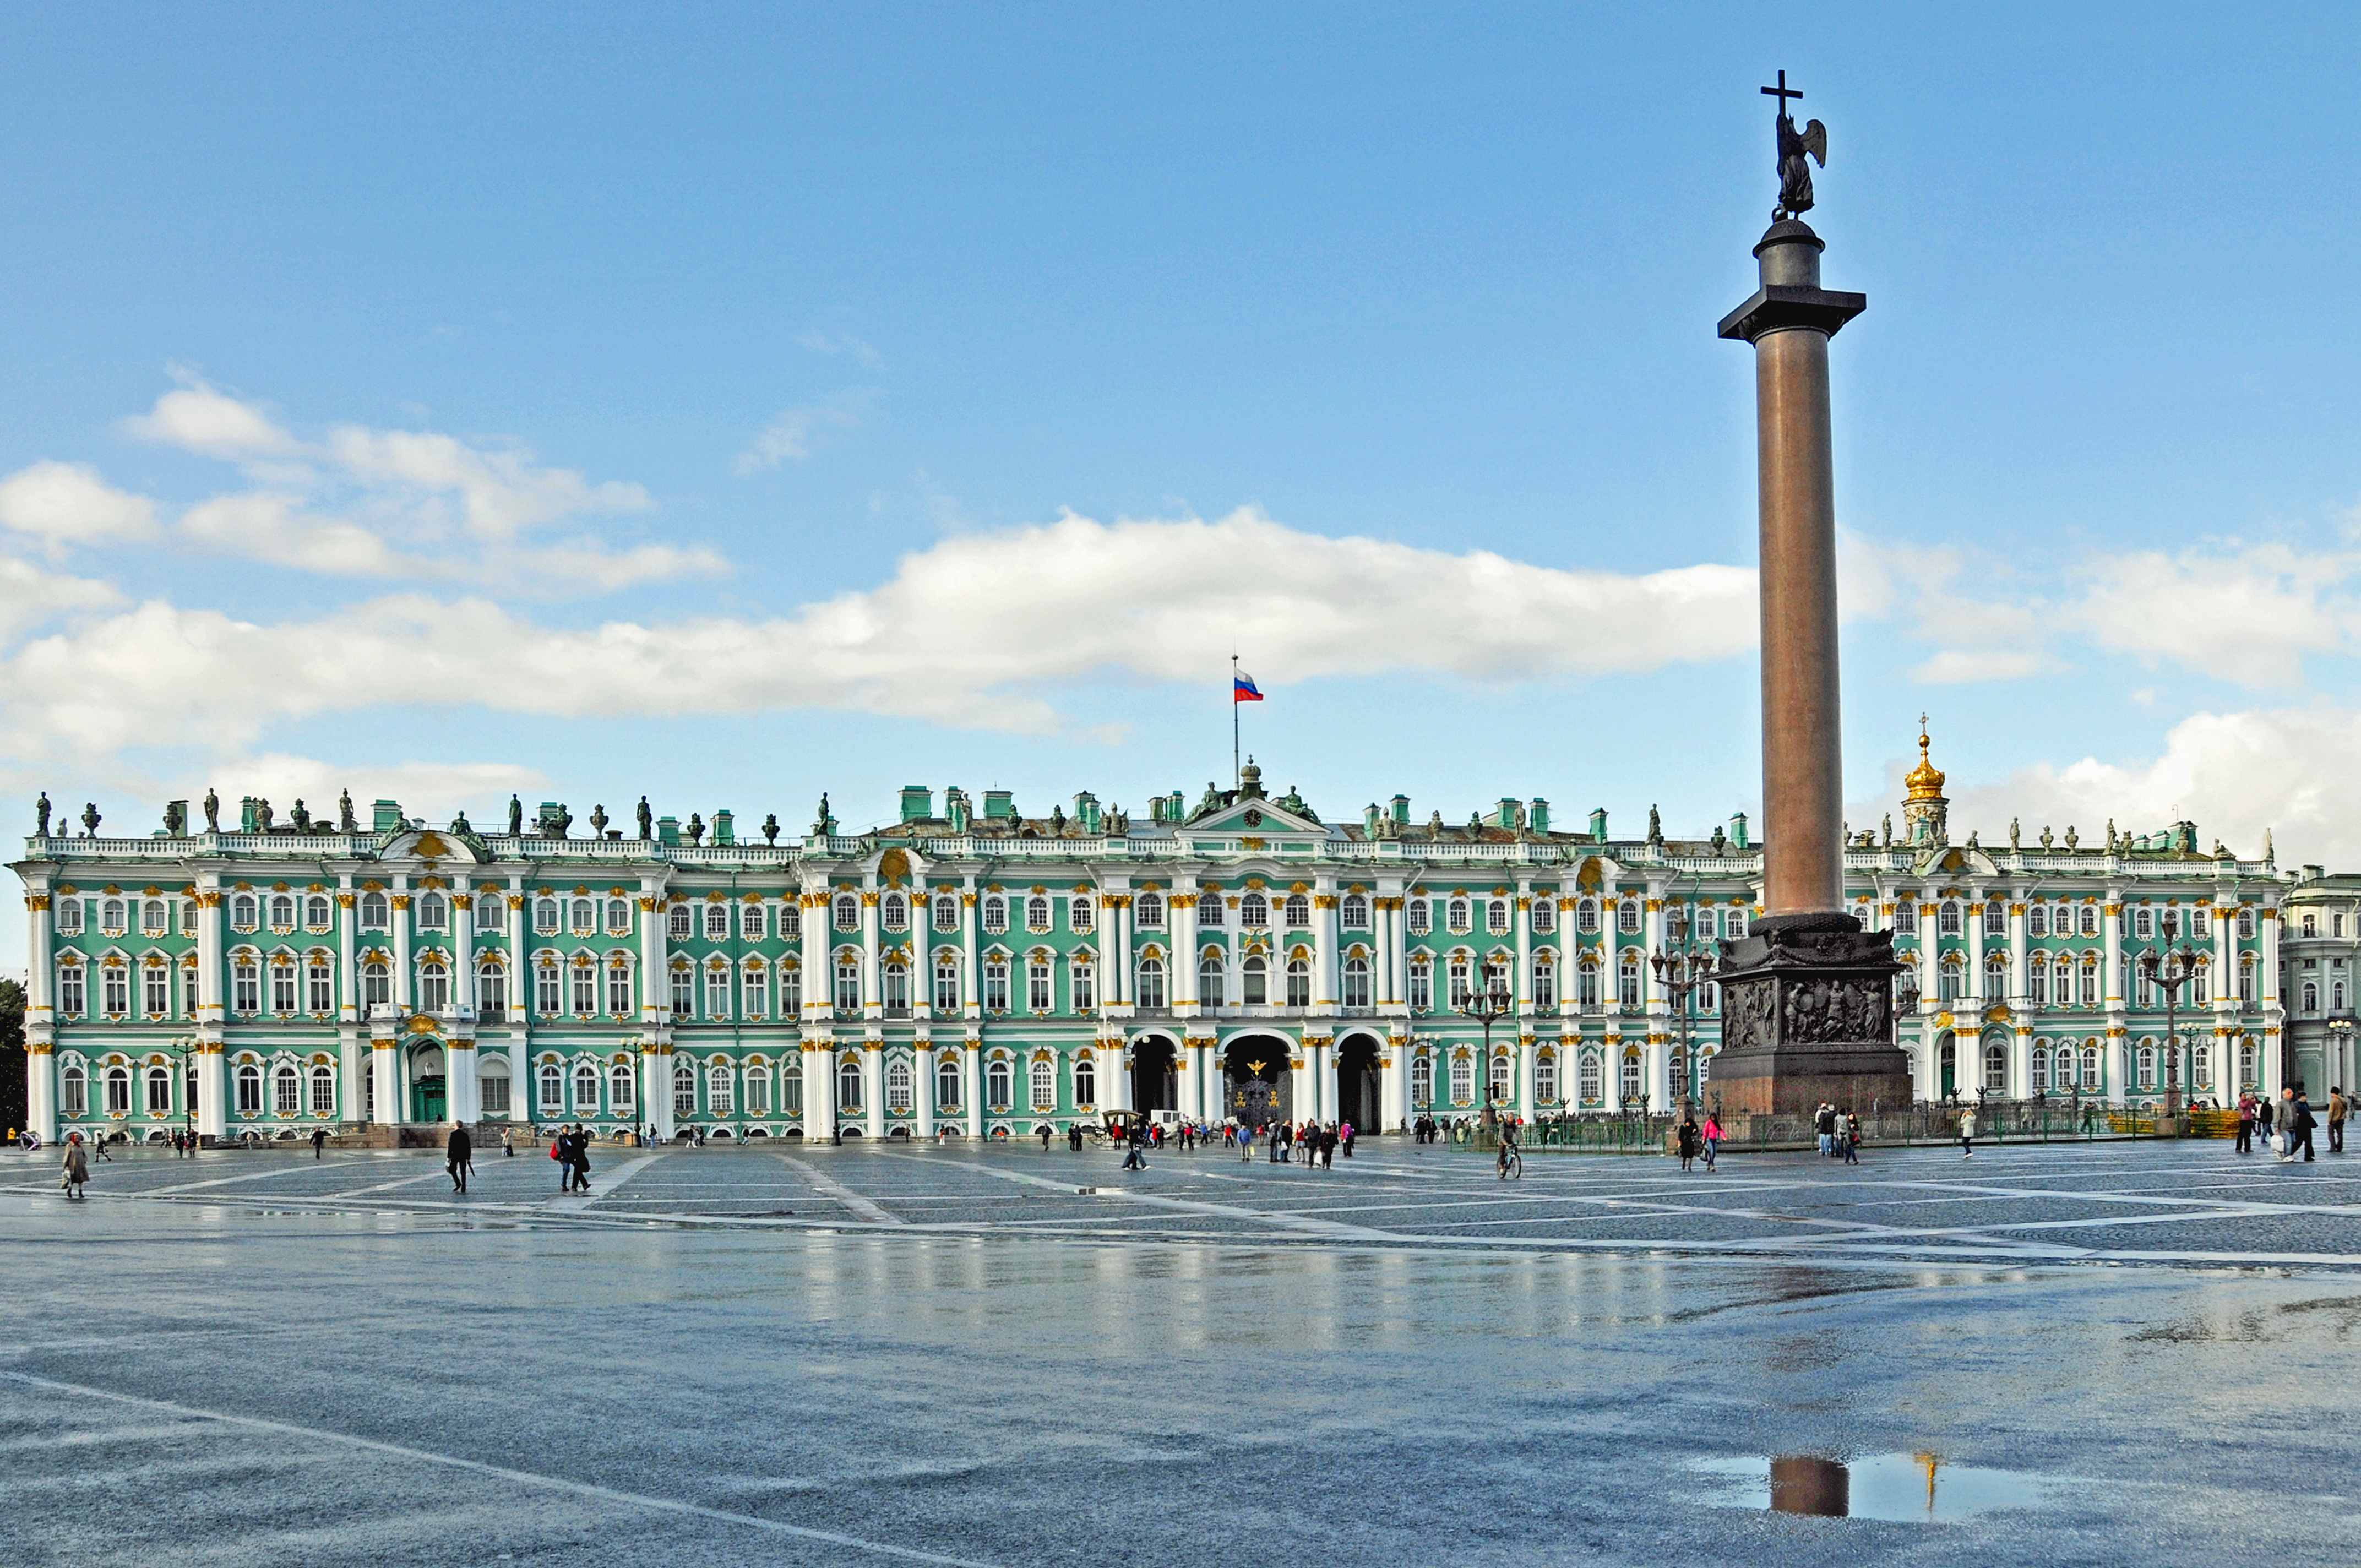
987, 972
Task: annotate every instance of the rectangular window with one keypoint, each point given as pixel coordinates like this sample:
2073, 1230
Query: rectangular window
1036, 987
716, 993
323, 1091
1421, 988
585, 992
995, 987
791, 992
157, 985
118, 993
619, 992
321, 980
246, 989
684, 995
545, 997
1084, 988
286, 1092
492, 991
847, 986
495, 1090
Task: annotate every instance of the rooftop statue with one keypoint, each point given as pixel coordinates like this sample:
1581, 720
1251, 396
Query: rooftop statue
645, 818
42, 807
344, 823
516, 817
212, 811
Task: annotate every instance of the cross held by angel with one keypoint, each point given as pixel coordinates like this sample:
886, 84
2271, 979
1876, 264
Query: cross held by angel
1794, 169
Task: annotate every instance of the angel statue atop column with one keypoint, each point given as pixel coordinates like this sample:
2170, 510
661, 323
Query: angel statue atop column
1794, 172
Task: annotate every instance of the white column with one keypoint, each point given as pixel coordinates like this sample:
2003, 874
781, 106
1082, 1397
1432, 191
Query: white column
971, 970
2111, 927
40, 1016
2267, 989
385, 1081
1527, 1051
820, 1088
971, 1057
1324, 988
352, 1029
1180, 973
1929, 974
463, 944
873, 1078
1393, 1084
1651, 942
1974, 990
2019, 949
403, 988
1522, 983
459, 1076
922, 1091
209, 951
872, 993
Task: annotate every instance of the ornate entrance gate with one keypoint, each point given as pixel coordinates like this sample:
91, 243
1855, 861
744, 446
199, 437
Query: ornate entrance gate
1257, 1080
1252, 1103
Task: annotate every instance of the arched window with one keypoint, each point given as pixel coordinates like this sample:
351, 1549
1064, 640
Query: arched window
2144, 922
1586, 980
848, 983
1947, 982
1079, 916
1299, 983
1627, 917
998, 1088
1209, 978
242, 914
717, 921
323, 1091
1044, 1086
684, 1090
1585, 916
249, 1089
1495, 916
1995, 977
2246, 978
553, 1089
848, 911
118, 1092
995, 983
758, 1090
1995, 919
491, 913
1463, 1079
316, 912
898, 989
1627, 981
946, 1084
2145, 1068
434, 986
995, 913
1418, 915
286, 1091
1256, 990
73, 1093
431, 911
946, 913
586, 1090
894, 914
1996, 1067
1254, 911
898, 1088
1455, 917
1298, 913
947, 984
1544, 914
2089, 920
2041, 1067
1150, 912
1037, 914
1356, 981
1590, 1082
721, 1089
1545, 982
159, 1092
374, 911
622, 1086
1151, 982
2202, 1065
1947, 920
1211, 910
2093, 1078
618, 916
680, 923
1500, 1078
282, 912
1421, 1079
1086, 1083
1356, 911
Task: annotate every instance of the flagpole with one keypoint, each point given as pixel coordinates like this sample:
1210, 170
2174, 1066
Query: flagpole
1236, 776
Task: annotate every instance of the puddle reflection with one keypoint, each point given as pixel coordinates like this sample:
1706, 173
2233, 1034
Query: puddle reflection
1904, 1487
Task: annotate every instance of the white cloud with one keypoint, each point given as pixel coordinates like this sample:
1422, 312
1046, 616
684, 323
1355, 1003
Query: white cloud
67, 503
797, 433
206, 420
500, 493
433, 790
1011, 631
843, 343
1955, 666
268, 526
30, 596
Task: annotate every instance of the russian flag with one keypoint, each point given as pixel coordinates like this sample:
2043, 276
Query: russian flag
1242, 688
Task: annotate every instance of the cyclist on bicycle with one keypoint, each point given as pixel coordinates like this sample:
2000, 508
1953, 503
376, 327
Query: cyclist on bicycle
1508, 1155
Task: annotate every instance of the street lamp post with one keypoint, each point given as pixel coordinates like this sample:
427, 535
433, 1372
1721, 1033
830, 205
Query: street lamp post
180, 1045
1487, 1003
1683, 966
2172, 969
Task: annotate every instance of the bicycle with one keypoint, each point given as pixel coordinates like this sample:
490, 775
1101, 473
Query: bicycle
1511, 1164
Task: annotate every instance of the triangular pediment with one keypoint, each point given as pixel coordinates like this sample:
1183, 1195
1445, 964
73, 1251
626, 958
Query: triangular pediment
1252, 818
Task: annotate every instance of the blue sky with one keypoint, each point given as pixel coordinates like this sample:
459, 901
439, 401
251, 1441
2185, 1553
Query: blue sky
687, 401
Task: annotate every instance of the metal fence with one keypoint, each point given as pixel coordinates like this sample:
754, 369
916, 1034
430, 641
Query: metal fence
1998, 1122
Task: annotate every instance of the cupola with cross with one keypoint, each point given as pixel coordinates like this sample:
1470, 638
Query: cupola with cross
1926, 815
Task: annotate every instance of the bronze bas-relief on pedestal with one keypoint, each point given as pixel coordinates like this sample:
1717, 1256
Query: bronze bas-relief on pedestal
1807, 1016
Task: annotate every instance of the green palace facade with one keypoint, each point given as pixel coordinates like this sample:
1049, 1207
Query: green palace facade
984, 972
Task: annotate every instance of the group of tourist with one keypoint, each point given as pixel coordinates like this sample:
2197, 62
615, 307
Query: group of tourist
571, 1149
2288, 1126
1840, 1132
1692, 1139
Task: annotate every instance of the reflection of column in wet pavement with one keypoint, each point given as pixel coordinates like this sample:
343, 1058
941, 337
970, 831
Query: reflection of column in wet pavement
1806, 1483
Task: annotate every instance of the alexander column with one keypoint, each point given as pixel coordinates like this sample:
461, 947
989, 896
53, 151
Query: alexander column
1807, 1011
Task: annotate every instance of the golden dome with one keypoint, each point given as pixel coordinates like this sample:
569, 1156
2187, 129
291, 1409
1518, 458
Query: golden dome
1925, 780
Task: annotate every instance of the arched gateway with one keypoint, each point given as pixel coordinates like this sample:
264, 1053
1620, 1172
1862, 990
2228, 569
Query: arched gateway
1257, 1088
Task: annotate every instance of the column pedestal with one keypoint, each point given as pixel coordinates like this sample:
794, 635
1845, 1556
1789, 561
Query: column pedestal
1807, 1016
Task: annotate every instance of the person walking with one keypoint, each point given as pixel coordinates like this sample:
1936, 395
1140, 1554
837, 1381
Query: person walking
561, 1150
1712, 1134
2246, 1122
319, 1141
459, 1155
1131, 1154
581, 1164
102, 1149
2299, 1123
2263, 1116
1849, 1135
1824, 1122
77, 1166
508, 1143
1967, 1133
2337, 1108
1345, 1137
1690, 1139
